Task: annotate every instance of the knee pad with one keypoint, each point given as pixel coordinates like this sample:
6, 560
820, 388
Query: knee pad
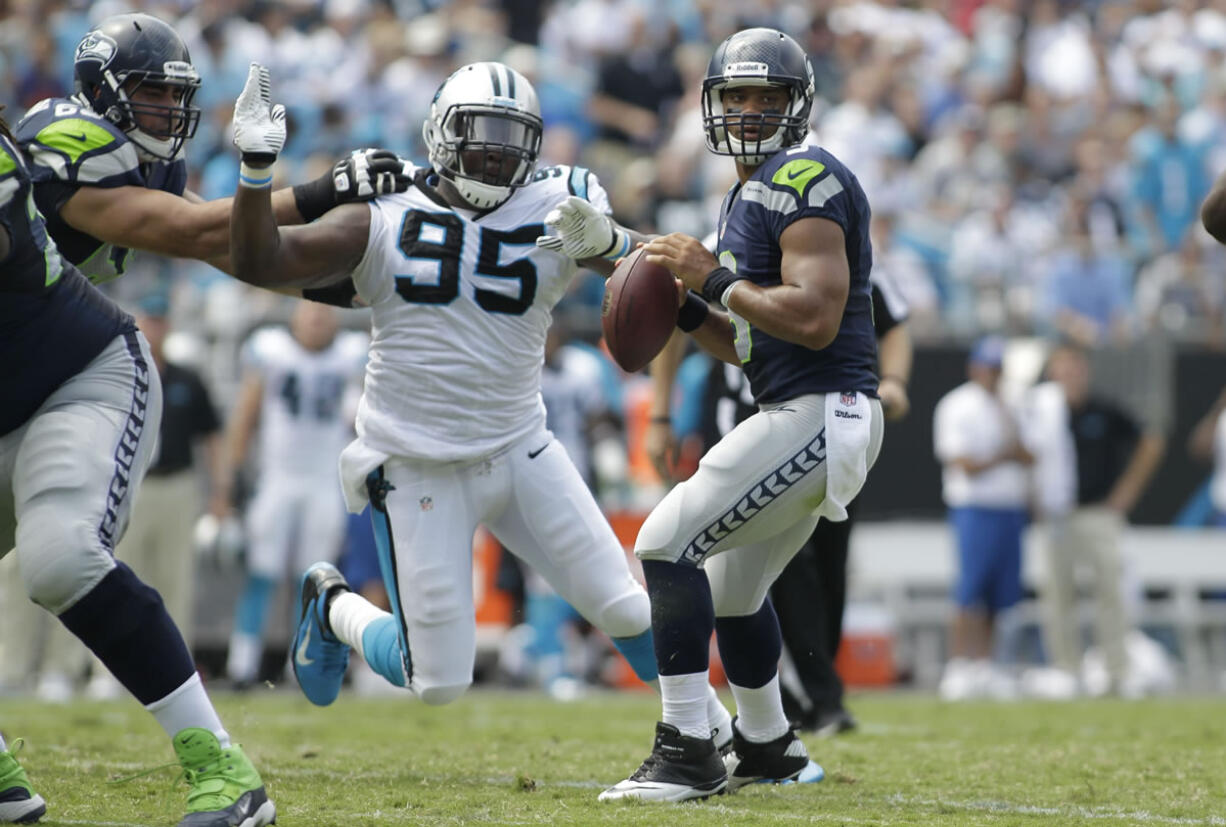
443, 694
625, 616
62, 559
657, 538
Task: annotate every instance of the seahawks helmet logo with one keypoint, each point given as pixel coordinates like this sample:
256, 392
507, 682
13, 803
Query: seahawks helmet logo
96, 46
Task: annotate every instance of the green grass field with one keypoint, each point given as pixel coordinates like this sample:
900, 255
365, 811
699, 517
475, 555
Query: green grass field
518, 758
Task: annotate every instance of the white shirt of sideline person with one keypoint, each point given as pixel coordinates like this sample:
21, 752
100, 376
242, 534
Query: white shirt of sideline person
971, 422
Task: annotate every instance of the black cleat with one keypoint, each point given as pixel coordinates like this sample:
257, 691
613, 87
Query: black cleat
782, 759
679, 768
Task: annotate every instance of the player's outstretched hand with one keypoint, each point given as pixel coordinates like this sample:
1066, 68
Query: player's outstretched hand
367, 173
684, 256
582, 232
259, 127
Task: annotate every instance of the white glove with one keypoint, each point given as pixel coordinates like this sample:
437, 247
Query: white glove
583, 232
259, 127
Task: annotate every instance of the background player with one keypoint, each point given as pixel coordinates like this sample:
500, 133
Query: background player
294, 388
77, 430
793, 269
451, 427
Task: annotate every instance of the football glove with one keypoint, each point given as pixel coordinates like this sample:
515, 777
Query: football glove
367, 173
259, 127
360, 176
583, 232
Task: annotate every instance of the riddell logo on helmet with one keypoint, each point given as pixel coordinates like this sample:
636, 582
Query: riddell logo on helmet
96, 46
178, 69
745, 67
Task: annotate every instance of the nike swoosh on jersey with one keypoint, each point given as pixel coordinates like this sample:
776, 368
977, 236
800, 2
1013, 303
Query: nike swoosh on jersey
301, 654
537, 452
792, 176
80, 137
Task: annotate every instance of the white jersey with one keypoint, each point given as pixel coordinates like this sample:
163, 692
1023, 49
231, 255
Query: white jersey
461, 304
303, 428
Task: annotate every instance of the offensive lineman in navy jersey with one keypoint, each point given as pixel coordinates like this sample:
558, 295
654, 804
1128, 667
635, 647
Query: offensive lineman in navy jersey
792, 271
76, 435
106, 162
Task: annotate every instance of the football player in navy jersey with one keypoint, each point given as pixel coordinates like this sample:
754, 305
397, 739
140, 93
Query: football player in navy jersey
77, 430
106, 162
791, 272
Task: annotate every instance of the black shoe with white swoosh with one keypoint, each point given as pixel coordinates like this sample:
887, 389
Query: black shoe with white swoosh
782, 759
679, 768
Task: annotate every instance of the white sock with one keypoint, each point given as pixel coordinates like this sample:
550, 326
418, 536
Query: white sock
759, 712
189, 706
349, 614
718, 717
685, 702
243, 660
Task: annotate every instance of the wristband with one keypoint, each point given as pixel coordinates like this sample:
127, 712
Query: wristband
719, 280
693, 312
315, 198
256, 178
727, 294
620, 246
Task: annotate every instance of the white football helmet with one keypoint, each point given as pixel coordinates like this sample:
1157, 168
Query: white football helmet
484, 132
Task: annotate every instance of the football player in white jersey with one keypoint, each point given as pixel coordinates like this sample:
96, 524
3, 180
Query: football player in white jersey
451, 426
295, 384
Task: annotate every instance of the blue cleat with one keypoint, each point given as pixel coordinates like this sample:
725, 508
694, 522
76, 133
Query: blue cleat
320, 658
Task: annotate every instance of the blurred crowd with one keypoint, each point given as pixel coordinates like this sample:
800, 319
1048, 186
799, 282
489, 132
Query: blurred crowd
1034, 166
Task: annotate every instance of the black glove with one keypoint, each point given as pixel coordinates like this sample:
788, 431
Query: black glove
360, 176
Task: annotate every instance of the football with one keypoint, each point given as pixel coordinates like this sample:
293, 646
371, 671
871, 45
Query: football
639, 311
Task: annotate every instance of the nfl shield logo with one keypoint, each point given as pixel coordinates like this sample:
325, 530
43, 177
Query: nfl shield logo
426, 503
848, 399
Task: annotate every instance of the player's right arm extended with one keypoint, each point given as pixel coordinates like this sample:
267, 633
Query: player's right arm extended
160, 222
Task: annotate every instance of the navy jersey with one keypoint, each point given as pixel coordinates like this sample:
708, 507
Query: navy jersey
798, 183
69, 146
52, 321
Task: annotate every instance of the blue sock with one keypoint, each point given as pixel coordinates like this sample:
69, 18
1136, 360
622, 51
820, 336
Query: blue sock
381, 646
125, 624
640, 652
546, 614
750, 646
682, 616
252, 609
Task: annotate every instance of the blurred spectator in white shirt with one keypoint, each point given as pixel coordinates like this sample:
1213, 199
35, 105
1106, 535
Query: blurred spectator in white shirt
985, 484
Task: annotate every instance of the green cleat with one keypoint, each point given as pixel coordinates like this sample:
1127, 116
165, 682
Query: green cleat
19, 804
226, 789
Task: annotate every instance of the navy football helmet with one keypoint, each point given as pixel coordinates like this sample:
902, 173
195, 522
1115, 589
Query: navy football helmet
125, 52
757, 57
